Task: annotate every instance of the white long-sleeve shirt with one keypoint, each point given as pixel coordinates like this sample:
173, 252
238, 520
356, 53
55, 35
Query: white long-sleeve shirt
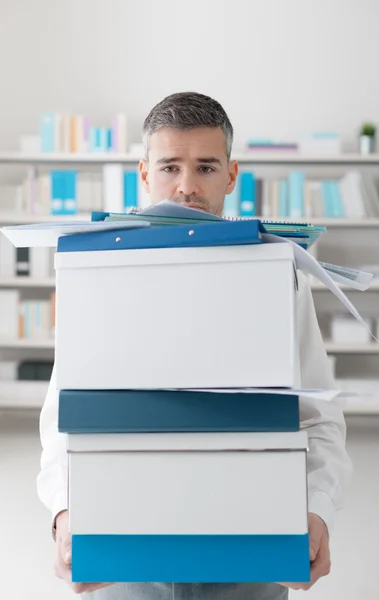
328, 463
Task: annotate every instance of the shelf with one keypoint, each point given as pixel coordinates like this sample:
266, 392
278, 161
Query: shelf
21, 343
361, 408
26, 282
69, 158
369, 348
347, 223
367, 400
263, 158
296, 158
318, 286
13, 218
23, 394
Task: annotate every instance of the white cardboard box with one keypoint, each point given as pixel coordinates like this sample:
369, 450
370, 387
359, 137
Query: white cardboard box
218, 483
347, 330
177, 318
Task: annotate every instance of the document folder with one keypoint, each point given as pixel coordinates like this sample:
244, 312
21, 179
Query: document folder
124, 411
178, 236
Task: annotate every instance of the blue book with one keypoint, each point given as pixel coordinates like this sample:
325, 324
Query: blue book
92, 139
248, 195
232, 201
339, 211
296, 194
103, 139
127, 411
328, 199
283, 199
48, 124
109, 139
223, 233
70, 200
130, 189
57, 192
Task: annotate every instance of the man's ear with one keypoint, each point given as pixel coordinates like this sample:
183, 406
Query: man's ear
144, 174
233, 172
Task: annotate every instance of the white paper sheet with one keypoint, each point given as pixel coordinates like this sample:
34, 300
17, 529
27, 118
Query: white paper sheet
326, 395
307, 263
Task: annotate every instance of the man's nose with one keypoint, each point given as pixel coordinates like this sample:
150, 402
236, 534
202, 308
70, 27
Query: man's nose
187, 184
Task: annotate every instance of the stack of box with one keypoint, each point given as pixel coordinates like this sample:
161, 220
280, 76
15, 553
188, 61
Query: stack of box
176, 471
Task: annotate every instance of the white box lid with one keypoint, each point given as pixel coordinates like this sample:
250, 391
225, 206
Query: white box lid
164, 256
184, 442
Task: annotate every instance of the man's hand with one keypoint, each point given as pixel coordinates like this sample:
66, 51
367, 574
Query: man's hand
319, 552
63, 557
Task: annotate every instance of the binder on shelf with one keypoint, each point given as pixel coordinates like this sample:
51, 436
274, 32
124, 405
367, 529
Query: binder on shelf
125, 411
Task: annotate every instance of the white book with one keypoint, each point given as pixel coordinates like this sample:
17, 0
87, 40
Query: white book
7, 258
121, 132
8, 370
8, 198
39, 263
346, 330
44, 194
31, 311
96, 193
351, 191
84, 192
9, 314
113, 188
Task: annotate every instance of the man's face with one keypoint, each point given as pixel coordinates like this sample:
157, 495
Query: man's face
189, 167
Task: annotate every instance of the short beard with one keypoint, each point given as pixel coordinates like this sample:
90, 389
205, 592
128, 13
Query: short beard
183, 199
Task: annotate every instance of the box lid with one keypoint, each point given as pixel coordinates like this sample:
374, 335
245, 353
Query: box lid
187, 442
167, 256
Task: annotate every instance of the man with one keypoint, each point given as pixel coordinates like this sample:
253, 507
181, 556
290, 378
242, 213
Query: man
188, 140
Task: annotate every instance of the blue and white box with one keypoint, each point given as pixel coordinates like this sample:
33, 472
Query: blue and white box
189, 507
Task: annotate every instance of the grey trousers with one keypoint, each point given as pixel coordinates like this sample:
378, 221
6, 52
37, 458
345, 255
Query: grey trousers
190, 591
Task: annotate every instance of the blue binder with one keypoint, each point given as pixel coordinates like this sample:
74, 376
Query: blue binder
223, 233
126, 411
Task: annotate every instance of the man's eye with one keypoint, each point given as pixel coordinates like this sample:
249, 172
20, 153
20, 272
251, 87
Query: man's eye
170, 169
206, 170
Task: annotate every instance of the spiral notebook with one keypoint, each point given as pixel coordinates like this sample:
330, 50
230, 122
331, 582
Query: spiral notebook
167, 213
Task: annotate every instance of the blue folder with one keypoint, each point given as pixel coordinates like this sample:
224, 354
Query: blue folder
125, 411
177, 236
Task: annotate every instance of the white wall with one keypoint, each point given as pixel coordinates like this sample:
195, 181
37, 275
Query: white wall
279, 66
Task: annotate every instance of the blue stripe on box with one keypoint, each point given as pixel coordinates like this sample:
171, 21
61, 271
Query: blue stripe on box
124, 411
186, 558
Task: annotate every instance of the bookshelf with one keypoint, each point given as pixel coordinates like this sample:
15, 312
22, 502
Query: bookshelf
24, 344
27, 282
247, 158
16, 395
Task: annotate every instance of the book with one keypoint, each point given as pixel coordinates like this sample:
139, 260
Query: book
121, 411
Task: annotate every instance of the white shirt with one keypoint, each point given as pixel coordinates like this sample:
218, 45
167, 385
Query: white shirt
328, 463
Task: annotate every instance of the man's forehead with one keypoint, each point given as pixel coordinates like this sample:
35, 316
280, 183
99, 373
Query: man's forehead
204, 142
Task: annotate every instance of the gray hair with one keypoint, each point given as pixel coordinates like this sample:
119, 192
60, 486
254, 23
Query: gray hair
187, 110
